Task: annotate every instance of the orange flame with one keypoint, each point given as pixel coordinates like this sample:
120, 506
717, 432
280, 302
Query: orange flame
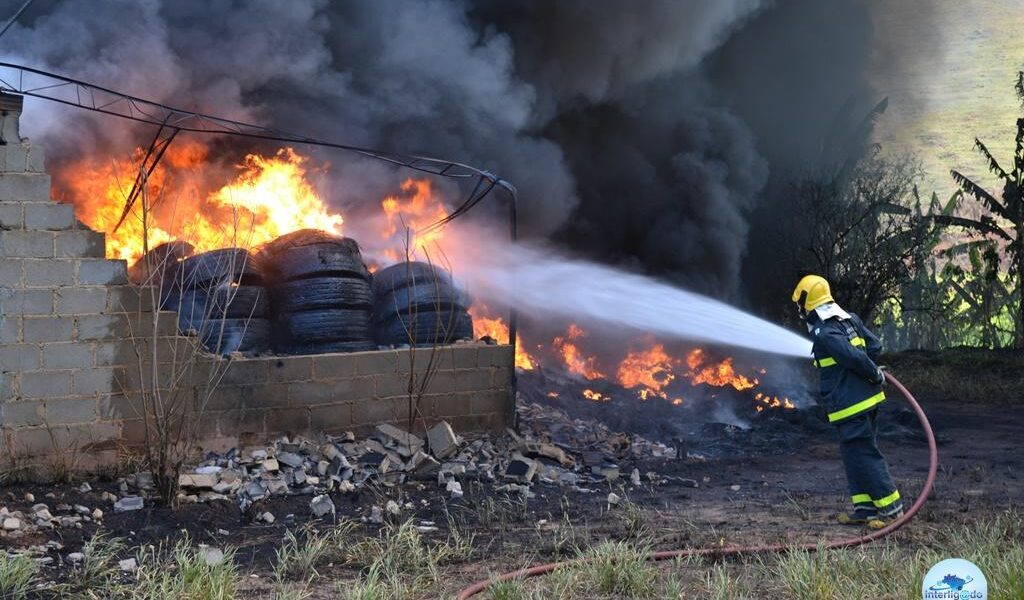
718, 375
596, 396
574, 359
414, 210
270, 196
651, 370
496, 328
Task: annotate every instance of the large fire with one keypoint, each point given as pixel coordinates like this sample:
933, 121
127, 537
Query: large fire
268, 196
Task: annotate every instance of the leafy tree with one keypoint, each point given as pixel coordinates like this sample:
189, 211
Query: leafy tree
1004, 221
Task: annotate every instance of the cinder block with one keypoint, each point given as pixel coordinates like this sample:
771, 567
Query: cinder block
373, 363
19, 357
501, 378
495, 356
67, 355
130, 299
72, 410
49, 216
440, 382
26, 302
334, 366
329, 392
45, 384
241, 372
241, 422
22, 414
14, 158
116, 353
102, 327
80, 243
462, 356
87, 382
102, 272
379, 410
12, 215
11, 329
50, 272
298, 368
48, 329
395, 385
452, 405
36, 159
28, 187
287, 420
331, 417
81, 300
69, 441
12, 272
472, 380
26, 244
489, 402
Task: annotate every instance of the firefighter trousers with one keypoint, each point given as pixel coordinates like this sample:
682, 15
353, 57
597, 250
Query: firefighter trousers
866, 469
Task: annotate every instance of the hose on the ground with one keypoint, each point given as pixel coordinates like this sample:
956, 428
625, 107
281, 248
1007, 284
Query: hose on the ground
908, 514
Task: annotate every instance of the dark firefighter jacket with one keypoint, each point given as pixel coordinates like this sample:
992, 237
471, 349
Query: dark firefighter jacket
845, 352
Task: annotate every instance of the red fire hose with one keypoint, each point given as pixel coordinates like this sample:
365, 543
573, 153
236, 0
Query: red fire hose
933, 458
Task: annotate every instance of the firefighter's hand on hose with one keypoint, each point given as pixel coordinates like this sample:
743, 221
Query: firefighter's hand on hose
880, 375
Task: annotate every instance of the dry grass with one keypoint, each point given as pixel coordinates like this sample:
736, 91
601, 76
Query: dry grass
18, 576
883, 570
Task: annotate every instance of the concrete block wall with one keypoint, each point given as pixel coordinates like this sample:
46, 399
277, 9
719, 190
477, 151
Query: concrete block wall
75, 350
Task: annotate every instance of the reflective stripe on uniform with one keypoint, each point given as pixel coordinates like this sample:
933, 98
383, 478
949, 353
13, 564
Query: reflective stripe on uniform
828, 361
854, 409
861, 498
888, 499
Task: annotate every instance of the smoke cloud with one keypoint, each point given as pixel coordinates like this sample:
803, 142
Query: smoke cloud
640, 133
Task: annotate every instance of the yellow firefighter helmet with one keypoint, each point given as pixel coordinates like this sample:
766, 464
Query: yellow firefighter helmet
812, 292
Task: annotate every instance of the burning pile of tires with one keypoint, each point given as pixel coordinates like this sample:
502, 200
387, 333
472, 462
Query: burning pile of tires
219, 296
418, 304
306, 292
320, 293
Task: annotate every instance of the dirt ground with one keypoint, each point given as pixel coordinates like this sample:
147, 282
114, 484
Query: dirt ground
738, 498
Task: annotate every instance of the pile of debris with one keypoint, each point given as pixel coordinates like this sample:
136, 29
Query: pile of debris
552, 450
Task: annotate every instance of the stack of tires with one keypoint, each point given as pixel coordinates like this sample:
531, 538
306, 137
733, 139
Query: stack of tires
417, 304
320, 293
219, 296
159, 268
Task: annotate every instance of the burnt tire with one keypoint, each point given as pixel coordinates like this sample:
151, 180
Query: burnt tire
235, 265
426, 328
321, 292
419, 298
333, 325
221, 302
326, 347
315, 260
224, 336
407, 274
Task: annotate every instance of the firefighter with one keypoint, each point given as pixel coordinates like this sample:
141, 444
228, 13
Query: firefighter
845, 352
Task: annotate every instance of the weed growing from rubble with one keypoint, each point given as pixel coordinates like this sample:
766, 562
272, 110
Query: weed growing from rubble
184, 572
97, 571
400, 561
300, 555
619, 570
18, 575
